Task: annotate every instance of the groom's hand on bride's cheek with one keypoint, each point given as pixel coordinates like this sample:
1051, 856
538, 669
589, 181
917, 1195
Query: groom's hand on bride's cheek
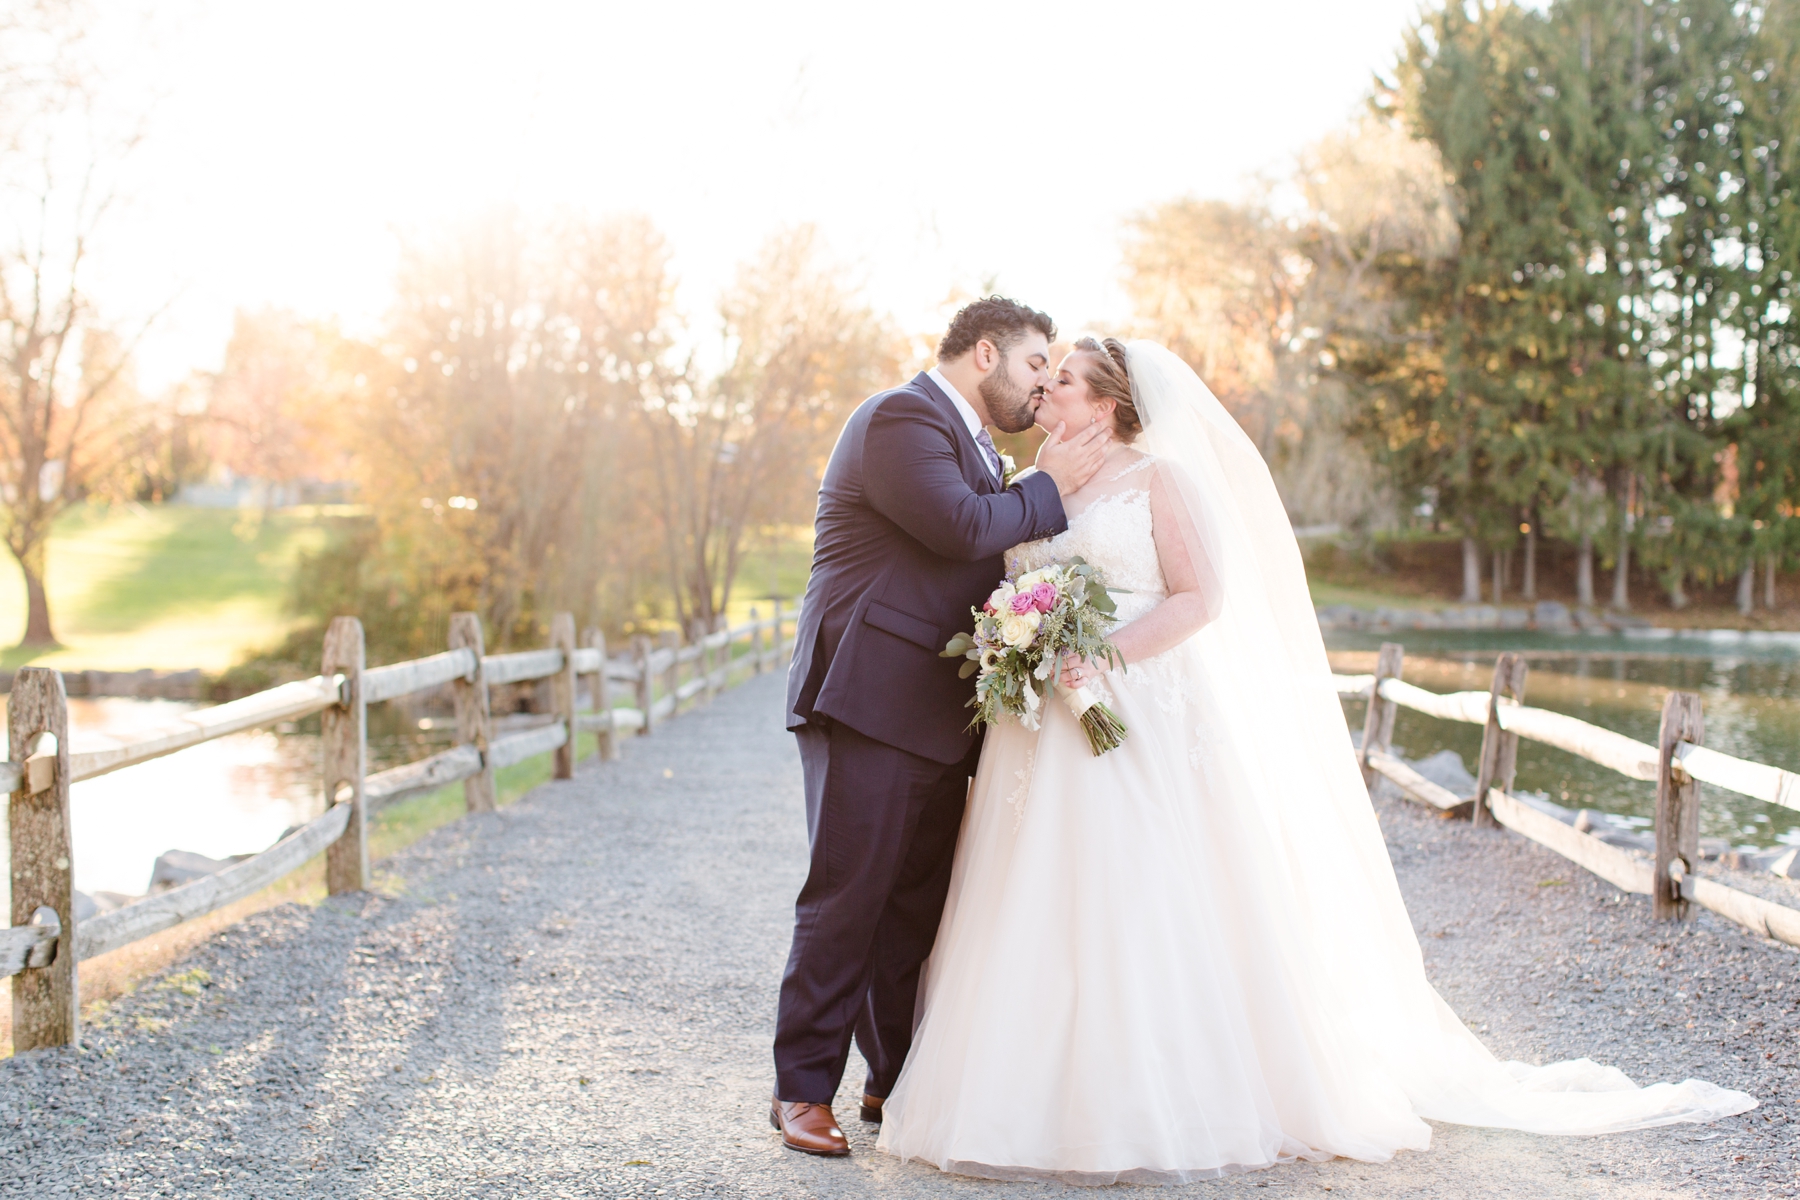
1073, 462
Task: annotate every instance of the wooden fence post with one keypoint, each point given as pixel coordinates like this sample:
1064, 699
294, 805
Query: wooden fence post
706, 661
46, 1002
729, 650
474, 725
562, 692
1499, 749
1378, 722
777, 643
721, 657
721, 661
756, 641
1677, 809
646, 683
671, 641
344, 733
600, 692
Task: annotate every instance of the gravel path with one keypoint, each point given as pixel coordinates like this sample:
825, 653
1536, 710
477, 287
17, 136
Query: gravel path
573, 997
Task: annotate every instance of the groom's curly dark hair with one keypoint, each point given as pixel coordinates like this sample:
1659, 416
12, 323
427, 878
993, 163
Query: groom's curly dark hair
1001, 321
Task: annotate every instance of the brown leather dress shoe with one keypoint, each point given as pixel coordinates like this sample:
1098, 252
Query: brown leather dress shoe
808, 1128
871, 1107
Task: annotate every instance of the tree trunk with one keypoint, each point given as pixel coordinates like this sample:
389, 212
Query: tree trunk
1471, 572
1528, 585
1621, 597
1746, 597
1584, 572
1769, 582
37, 603
1677, 593
1499, 575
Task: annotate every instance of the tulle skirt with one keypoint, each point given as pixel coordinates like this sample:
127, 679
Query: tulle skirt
1132, 982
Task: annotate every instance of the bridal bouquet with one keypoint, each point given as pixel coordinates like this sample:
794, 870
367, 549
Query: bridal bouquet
1022, 633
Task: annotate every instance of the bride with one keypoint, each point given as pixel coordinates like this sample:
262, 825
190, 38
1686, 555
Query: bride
1190, 957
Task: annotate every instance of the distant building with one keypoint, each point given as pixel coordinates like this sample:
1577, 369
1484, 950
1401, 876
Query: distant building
223, 488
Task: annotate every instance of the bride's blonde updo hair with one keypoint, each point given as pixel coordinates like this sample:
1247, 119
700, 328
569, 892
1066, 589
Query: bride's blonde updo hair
1107, 376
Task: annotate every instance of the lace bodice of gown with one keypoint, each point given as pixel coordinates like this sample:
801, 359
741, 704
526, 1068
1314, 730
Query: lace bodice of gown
1113, 532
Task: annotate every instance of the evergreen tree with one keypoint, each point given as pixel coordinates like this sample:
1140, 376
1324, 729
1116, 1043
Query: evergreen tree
1461, 83
1765, 428
1696, 307
1594, 67
1610, 355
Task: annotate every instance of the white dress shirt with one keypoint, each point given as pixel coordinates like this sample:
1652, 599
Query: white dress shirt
962, 407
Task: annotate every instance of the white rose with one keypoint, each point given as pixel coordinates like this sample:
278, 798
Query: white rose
1002, 597
1017, 629
1031, 578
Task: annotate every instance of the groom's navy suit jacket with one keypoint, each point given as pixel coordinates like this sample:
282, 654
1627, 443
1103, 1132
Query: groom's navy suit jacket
910, 535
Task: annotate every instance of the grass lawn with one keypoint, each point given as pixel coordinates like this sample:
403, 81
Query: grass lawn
776, 563
167, 587
406, 821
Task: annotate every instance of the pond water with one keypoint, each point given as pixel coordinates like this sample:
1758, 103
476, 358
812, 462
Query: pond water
232, 795
1749, 685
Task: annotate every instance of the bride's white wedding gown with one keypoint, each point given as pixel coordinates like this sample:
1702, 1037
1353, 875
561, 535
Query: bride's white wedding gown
1189, 956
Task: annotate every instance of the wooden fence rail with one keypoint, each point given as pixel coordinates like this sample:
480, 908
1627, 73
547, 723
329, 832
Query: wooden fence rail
1678, 765
42, 943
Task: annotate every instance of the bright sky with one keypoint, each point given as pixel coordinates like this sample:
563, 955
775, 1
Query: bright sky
939, 144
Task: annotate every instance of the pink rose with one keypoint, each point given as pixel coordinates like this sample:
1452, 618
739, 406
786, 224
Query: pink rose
1024, 602
1043, 596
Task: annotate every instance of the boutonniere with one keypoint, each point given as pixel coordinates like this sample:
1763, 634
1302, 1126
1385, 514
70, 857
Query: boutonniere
1008, 469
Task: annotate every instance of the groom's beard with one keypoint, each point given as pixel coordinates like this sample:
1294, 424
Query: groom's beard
1008, 403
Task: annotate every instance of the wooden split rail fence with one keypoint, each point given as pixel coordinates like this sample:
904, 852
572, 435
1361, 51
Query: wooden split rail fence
1677, 765
43, 944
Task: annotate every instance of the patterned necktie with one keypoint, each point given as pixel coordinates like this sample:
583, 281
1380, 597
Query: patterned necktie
992, 455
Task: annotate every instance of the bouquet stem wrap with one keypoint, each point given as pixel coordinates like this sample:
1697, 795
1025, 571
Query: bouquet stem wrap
1103, 728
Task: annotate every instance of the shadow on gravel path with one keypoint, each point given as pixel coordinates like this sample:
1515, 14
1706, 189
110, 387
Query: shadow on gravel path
574, 997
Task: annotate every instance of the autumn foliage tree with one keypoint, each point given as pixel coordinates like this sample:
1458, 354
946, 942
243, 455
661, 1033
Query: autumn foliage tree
741, 449
538, 428
69, 416
479, 408
1254, 293
270, 410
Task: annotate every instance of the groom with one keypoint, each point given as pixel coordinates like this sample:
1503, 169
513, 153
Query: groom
914, 516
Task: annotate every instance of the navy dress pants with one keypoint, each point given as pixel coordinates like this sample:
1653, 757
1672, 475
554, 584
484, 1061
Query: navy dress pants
882, 825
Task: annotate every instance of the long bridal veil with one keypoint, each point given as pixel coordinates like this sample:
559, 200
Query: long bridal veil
1278, 749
